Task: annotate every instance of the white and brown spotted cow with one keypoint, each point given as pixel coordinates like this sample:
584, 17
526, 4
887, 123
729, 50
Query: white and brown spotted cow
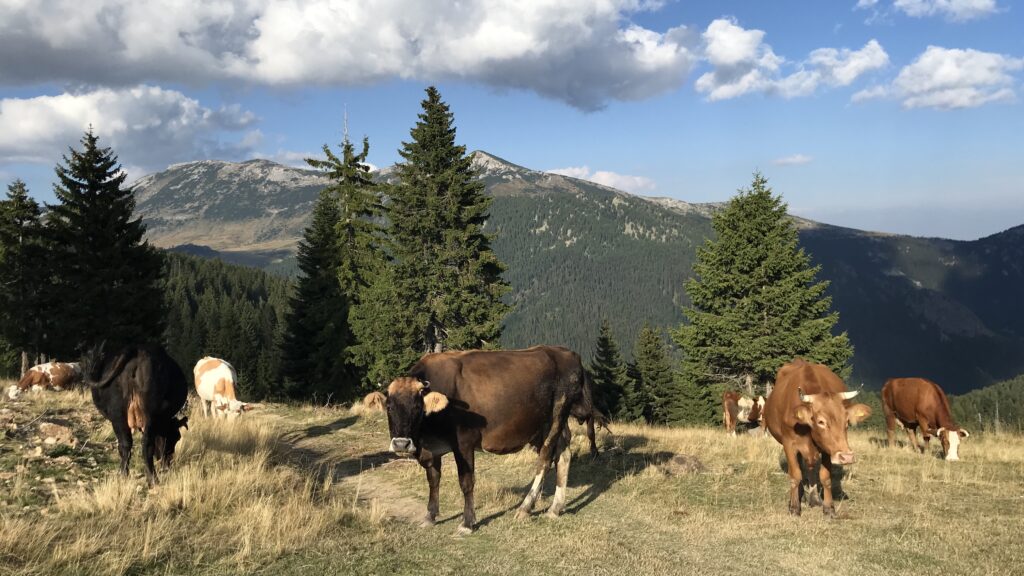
215, 383
48, 376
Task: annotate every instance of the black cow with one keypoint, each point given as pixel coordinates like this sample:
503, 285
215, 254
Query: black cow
140, 387
498, 401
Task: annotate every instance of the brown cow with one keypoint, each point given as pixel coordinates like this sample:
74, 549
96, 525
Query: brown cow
49, 376
498, 401
374, 402
807, 413
915, 402
738, 409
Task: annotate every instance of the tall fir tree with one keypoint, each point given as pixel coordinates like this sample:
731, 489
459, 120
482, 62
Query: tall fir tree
756, 303
21, 318
107, 278
317, 330
339, 255
654, 374
608, 370
443, 289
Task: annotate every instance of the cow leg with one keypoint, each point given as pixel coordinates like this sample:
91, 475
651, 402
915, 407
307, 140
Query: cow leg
795, 479
544, 458
912, 436
813, 497
148, 451
206, 407
124, 443
592, 436
464, 462
433, 468
825, 477
562, 474
926, 433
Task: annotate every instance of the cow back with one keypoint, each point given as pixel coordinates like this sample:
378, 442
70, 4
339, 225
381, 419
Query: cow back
793, 378
911, 398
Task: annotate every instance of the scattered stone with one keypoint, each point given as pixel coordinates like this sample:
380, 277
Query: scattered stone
57, 432
681, 465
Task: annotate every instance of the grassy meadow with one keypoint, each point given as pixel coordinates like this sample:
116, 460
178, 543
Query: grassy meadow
310, 490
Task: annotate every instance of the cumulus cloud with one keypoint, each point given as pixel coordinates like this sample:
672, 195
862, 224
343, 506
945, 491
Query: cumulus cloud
794, 160
743, 63
948, 78
633, 184
148, 127
584, 52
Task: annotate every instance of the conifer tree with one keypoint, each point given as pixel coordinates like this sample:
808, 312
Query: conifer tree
108, 278
654, 373
21, 318
609, 372
444, 287
756, 303
317, 330
339, 253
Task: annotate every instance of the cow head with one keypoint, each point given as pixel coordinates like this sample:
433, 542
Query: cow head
168, 439
230, 408
828, 417
745, 406
951, 441
409, 401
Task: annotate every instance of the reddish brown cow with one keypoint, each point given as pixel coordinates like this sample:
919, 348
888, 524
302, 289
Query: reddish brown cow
915, 402
51, 376
807, 413
738, 410
498, 401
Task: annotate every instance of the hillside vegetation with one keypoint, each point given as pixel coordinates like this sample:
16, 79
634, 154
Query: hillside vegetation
577, 252
305, 490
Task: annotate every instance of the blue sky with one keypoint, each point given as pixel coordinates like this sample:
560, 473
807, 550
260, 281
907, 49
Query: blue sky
893, 115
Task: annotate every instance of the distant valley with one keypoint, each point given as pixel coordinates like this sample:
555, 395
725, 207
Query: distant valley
578, 252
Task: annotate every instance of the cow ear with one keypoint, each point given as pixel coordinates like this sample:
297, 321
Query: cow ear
963, 433
434, 402
804, 414
858, 413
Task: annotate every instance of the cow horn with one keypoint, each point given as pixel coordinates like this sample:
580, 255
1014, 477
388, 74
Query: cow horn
849, 395
804, 397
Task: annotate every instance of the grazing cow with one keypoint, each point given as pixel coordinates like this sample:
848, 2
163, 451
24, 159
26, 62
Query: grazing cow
807, 413
737, 410
215, 383
142, 388
50, 376
497, 401
375, 402
915, 402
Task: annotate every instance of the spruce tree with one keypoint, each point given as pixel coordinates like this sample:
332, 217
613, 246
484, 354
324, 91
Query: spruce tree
756, 303
21, 313
317, 329
608, 371
654, 373
444, 287
107, 277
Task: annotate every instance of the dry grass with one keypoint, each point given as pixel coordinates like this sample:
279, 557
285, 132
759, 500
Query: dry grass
307, 490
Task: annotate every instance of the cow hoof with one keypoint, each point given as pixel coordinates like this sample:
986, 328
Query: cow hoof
522, 514
795, 511
428, 522
830, 511
463, 530
553, 513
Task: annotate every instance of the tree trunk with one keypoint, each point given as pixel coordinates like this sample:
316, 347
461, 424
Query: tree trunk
24, 362
748, 383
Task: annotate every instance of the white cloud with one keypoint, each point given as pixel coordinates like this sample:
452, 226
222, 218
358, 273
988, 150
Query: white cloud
743, 64
954, 10
584, 52
794, 160
633, 184
148, 127
949, 78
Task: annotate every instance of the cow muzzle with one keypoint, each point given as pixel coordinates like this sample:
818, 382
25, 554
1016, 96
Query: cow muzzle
844, 458
402, 446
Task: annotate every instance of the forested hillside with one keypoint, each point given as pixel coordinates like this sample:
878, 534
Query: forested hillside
232, 312
577, 252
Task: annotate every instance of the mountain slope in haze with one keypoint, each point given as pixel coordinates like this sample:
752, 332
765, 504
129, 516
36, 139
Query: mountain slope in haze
578, 252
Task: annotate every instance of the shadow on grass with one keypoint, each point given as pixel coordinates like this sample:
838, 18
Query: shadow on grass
319, 430
599, 474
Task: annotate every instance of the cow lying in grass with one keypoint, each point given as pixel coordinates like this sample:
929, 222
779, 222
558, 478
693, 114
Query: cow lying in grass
142, 388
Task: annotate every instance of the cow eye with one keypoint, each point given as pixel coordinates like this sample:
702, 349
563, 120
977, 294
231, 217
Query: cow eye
822, 423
